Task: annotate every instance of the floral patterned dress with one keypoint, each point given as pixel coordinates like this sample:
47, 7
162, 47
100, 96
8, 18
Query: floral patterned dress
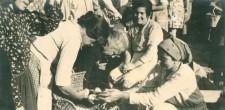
176, 13
15, 30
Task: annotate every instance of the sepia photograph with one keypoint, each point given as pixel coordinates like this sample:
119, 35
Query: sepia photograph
112, 54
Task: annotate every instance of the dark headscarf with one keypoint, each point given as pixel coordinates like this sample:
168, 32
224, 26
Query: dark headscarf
177, 49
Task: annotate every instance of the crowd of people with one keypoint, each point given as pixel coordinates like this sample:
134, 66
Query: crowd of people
129, 46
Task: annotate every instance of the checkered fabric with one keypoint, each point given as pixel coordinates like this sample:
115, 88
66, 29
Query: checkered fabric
35, 69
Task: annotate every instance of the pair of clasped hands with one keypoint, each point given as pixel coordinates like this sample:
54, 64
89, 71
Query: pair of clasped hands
108, 95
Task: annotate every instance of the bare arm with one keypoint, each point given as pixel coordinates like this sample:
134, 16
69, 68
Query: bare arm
75, 94
109, 6
162, 6
158, 7
213, 5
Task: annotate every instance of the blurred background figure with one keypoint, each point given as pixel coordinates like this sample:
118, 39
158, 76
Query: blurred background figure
187, 17
177, 10
217, 57
160, 13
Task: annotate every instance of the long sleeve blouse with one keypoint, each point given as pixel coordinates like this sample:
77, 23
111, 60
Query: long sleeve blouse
179, 88
146, 40
62, 50
15, 30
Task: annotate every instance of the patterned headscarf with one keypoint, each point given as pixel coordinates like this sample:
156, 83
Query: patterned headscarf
177, 49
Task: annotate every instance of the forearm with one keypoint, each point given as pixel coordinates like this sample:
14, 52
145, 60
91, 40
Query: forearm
218, 8
138, 63
109, 6
68, 90
213, 5
159, 7
127, 56
125, 95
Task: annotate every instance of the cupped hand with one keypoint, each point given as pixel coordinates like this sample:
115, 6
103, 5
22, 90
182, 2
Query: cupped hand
110, 95
92, 98
118, 16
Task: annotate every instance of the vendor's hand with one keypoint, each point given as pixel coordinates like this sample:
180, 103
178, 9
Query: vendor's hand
118, 16
128, 66
92, 98
110, 95
82, 94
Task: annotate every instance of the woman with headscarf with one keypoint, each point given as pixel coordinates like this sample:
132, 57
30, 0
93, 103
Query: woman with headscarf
175, 86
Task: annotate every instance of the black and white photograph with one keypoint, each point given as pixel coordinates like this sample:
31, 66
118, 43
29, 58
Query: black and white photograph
112, 54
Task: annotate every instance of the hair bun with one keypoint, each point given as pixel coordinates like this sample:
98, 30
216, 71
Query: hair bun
87, 18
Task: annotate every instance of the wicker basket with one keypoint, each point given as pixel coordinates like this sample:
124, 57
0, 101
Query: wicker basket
64, 104
61, 102
77, 80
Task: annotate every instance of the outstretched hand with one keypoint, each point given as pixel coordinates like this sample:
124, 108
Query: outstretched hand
92, 98
110, 95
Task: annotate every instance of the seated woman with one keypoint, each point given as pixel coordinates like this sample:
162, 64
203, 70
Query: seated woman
144, 36
175, 86
63, 45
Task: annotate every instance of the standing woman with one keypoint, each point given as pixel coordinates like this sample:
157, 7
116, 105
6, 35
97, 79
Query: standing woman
17, 25
177, 10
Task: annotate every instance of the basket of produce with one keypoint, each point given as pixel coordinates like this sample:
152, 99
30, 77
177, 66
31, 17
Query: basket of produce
62, 101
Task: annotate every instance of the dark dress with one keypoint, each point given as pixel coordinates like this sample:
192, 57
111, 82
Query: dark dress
6, 102
87, 60
15, 30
